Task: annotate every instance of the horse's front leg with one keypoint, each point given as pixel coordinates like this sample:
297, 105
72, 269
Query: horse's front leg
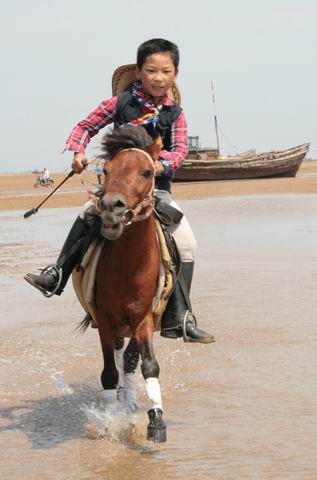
156, 430
109, 375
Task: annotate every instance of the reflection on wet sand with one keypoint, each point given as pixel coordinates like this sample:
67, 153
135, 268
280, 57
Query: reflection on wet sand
243, 408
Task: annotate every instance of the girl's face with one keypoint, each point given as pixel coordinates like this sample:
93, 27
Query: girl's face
157, 74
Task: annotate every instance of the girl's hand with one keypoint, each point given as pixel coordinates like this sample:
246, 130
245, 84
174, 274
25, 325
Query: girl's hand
79, 162
158, 167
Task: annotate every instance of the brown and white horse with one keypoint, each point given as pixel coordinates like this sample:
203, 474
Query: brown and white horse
128, 268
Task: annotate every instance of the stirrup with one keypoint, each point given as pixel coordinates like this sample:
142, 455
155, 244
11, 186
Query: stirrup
49, 269
186, 319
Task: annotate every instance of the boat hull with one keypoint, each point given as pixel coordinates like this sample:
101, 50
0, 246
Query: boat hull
284, 163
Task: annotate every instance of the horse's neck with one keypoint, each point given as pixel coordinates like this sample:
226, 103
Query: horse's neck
137, 248
140, 233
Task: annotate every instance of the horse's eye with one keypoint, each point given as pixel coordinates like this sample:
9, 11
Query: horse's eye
146, 173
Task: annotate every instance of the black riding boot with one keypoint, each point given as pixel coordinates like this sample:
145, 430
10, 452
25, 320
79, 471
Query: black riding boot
177, 320
54, 277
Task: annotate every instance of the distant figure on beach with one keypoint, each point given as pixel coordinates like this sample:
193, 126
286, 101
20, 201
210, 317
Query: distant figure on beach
45, 175
44, 179
99, 172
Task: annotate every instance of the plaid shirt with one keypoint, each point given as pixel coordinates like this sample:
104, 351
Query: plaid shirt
103, 115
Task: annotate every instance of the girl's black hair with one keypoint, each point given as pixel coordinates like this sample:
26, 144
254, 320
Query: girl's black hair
157, 45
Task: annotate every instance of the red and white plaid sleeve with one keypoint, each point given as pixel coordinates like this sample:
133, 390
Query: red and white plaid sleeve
83, 132
178, 150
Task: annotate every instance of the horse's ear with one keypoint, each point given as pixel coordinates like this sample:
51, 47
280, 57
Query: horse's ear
155, 148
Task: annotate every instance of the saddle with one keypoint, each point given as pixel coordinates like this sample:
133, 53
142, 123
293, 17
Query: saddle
84, 277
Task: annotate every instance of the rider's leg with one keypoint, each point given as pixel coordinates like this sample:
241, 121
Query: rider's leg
177, 320
82, 232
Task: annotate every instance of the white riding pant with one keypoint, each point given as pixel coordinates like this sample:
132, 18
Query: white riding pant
182, 232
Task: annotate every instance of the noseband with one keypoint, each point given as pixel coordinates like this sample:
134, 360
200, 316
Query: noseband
133, 214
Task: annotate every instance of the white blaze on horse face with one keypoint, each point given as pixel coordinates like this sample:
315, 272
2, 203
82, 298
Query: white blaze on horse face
153, 391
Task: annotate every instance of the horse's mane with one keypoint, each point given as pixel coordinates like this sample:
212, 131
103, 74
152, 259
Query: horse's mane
128, 136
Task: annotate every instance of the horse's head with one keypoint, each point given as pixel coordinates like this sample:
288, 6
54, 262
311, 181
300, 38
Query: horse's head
129, 184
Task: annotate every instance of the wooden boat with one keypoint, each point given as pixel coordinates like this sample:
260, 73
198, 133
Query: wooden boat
206, 164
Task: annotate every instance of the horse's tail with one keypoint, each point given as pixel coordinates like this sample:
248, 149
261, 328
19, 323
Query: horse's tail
83, 325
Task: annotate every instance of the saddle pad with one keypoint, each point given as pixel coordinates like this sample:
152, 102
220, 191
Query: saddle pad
84, 279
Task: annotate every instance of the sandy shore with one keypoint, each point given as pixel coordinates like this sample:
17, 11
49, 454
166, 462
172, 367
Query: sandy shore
17, 192
249, 398
243, 408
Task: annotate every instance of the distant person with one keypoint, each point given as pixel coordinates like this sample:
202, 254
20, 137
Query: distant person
99, 172
145, 102
45, 176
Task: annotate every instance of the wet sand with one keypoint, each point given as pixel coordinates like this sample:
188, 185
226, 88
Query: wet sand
242, 408
17, 192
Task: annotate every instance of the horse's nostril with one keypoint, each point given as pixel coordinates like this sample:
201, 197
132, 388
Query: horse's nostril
119, 204
113, 204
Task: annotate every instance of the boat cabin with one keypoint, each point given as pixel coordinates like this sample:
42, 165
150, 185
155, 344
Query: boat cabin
196, 152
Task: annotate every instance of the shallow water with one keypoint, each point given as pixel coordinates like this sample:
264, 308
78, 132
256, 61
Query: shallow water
242, 408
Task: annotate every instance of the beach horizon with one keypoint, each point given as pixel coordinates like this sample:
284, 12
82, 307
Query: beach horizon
17, 192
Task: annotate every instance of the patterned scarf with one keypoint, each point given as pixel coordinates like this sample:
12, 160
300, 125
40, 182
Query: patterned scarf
151, 112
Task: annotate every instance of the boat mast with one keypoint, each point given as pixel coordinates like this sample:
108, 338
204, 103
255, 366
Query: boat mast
215, 116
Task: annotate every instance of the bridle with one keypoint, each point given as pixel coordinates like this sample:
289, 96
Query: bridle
134, 214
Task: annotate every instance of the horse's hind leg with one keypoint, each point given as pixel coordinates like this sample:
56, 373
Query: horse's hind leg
156, 430
118, 356
130, 363
126, 363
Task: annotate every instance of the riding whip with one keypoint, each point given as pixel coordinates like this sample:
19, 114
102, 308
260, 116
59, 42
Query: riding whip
33, 211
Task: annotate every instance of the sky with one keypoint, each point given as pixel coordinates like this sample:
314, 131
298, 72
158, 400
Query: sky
58, 56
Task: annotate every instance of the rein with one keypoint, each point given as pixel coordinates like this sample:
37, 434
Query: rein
134, 214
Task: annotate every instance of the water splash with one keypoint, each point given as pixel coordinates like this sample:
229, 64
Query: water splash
114, 423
